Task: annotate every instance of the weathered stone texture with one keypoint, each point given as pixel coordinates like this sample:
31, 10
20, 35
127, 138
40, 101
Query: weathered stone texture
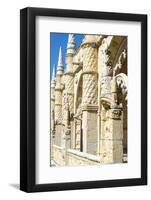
89, 103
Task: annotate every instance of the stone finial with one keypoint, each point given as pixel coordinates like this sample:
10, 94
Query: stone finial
53, 72
71, 47
53, 76
60, 63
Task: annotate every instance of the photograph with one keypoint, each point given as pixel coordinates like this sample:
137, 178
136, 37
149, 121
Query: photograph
83, 99
88, 99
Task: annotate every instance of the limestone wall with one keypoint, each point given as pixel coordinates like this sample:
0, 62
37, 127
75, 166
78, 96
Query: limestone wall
58, 157
79, 158
73, 157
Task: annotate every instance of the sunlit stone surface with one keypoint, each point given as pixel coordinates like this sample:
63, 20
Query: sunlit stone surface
89, 103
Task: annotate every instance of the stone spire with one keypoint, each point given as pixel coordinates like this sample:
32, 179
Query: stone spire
53, 76
60, 63
71, 47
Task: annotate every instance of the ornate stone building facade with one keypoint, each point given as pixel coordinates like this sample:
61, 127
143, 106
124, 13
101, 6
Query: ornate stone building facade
89, 103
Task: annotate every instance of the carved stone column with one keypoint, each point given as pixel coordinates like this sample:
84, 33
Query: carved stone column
58, 111
77, 128
89, 98
111, 139
66, 140
67, 126
69, 93
69, 89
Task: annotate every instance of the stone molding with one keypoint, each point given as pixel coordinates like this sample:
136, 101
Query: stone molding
84, 155
89, 107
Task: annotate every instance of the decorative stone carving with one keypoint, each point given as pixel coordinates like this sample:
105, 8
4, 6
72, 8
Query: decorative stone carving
120, 62
108, 63
67, 135
89, 89
115, 113
89, 103
90, 84
122, 84
105, 86
71, 45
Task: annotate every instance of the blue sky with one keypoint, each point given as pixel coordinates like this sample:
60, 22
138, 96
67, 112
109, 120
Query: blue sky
57, 40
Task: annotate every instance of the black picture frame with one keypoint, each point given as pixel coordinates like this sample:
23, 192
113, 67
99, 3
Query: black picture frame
28, 98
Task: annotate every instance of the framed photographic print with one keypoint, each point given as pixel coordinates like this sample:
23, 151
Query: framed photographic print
83, 99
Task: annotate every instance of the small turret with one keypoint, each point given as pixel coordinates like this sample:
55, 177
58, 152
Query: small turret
60, 63
71, 46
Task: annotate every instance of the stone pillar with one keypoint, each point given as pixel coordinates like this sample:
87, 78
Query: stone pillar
111, 145
99, 92
69, 89
67, 128
77, 128
66, 134
112, 136
89, 129
58, 111
89, 98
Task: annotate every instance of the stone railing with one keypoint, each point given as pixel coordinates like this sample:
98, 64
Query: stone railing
75, 157
58, 156
72, 157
